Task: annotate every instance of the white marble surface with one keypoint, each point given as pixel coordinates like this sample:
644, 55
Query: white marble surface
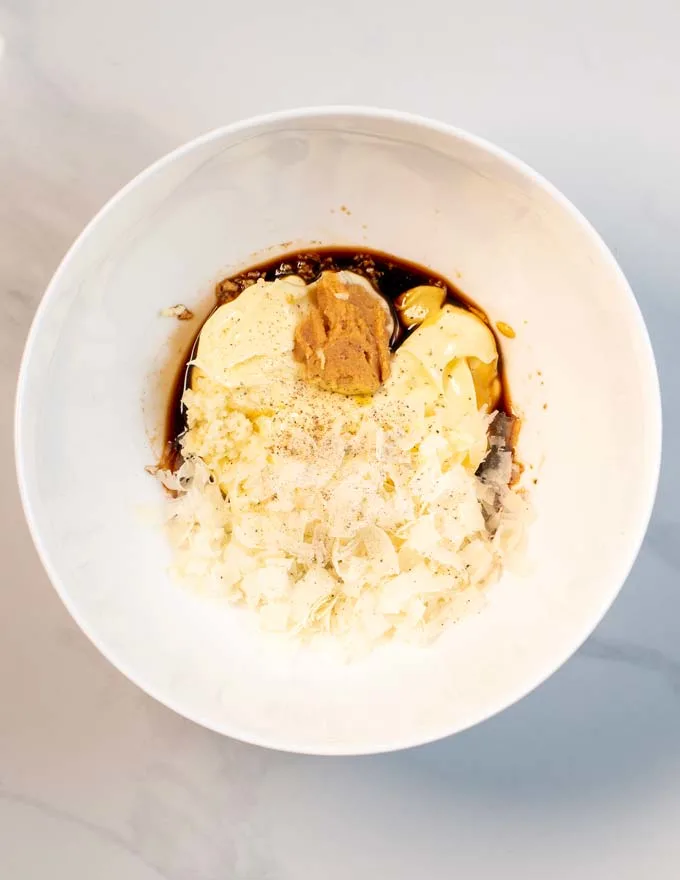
582, 778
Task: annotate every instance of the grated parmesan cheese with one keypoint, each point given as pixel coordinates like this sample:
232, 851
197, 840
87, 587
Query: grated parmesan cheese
324, 514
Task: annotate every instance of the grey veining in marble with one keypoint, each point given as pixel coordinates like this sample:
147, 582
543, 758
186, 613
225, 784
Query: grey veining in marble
580, 779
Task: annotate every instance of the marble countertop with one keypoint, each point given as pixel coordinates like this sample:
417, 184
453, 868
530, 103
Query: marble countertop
579, 780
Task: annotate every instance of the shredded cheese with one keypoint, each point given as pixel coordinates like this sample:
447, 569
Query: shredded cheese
328, 514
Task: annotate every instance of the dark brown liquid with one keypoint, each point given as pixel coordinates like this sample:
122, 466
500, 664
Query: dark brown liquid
390, 275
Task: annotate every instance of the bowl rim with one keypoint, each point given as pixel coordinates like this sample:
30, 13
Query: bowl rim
273, 120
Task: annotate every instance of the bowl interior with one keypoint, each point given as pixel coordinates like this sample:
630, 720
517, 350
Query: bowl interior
95, 382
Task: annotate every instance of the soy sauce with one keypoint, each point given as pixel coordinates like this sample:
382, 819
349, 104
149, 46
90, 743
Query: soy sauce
389, 275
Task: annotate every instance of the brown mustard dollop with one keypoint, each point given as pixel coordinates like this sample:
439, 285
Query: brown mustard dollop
343, 340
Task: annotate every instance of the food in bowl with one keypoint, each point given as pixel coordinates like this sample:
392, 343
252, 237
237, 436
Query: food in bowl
340, 452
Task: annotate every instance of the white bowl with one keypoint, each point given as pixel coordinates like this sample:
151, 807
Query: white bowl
95, 372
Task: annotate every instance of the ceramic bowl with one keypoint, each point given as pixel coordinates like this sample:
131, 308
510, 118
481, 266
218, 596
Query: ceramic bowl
99, 360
